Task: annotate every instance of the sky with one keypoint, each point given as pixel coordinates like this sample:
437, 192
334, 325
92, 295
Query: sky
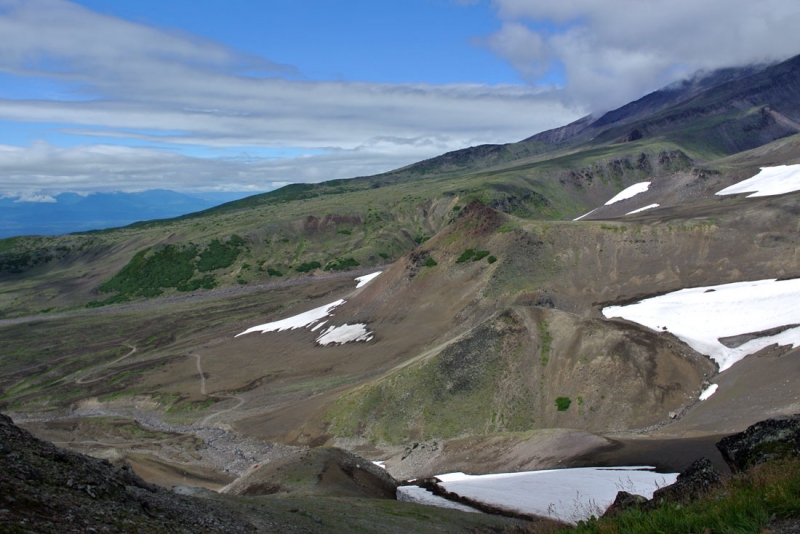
235, 95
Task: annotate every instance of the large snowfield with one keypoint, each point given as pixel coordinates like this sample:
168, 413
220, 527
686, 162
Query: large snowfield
768, 182
700, 316
570, 495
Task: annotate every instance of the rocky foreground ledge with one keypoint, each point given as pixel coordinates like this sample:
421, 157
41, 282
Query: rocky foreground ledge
44, 488
47, 489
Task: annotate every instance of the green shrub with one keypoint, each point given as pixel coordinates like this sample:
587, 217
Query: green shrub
273, 272
430, 262
480, 254
308, 266
345, 232
456, 208
147, 273
206, 282
466, 255
491, 259
562, 403
219, 255
383, 255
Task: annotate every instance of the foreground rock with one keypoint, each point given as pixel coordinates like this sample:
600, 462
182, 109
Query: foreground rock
47, 489
762, 442
693, 482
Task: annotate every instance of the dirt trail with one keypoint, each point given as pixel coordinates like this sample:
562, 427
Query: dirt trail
83, 380
203, 392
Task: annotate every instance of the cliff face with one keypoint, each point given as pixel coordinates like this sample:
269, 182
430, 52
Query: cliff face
44, 488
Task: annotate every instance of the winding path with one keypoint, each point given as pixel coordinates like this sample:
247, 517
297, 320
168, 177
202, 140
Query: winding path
83, 380
203, 392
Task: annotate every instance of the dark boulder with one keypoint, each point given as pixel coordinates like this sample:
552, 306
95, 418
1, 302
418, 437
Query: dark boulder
624, 501
693, 482
764, 441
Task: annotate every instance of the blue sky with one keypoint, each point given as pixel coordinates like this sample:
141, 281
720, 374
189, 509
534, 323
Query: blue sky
243, 96
364, 40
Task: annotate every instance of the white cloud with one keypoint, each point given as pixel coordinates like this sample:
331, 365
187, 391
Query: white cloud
127, 81
33, 197
45, 169
615, 51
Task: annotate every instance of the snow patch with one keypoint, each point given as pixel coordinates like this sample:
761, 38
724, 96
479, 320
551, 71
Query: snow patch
345, 334
699, 316
710, 390
298, 321
318, 325
768, 182
380, 463
649, 207
630, 192
585, 215
569, 495
366, 279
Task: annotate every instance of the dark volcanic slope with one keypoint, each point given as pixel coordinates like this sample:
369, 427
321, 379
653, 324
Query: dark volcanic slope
47, 489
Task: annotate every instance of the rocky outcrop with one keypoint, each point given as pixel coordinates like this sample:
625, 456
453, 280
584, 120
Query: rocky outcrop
762, 442
47, 489
625, 501
693, 482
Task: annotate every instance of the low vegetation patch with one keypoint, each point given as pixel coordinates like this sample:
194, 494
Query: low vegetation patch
148, 272
430, 262
219, 255
545, 341
563, 403
205, 282
341, 264
744, 504
474, 255
308, 266
466, 255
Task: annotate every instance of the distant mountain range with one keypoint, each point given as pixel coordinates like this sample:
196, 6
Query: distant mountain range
77, 213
